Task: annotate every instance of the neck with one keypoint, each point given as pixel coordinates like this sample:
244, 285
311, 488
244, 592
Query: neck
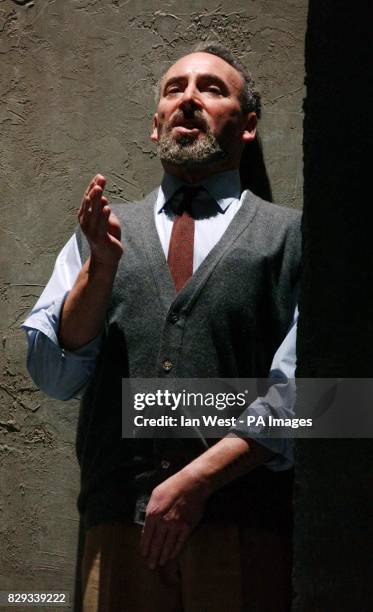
196, 175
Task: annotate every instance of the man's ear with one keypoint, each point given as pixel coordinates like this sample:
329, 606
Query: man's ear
249, 132
154, 135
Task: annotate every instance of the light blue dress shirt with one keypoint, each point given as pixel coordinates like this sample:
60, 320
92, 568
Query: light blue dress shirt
63, 374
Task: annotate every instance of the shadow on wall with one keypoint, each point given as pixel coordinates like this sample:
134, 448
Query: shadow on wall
253, 172
333, 537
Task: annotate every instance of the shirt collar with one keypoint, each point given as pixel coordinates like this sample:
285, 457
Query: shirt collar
224, 188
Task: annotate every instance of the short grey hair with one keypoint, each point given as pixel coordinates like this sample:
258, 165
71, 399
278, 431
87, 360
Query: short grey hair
250, 99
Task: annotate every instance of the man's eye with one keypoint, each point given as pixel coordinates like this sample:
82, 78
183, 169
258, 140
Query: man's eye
172, 90
214, 89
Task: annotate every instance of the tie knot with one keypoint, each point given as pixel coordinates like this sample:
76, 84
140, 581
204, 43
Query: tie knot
184, 197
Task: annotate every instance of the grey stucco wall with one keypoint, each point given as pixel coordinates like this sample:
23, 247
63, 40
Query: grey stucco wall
76, 97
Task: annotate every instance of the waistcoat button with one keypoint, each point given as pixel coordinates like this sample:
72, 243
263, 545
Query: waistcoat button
165, 464
167, 365
174, 317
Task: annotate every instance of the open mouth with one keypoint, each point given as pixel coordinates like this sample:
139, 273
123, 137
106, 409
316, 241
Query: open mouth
188, 126
185, 130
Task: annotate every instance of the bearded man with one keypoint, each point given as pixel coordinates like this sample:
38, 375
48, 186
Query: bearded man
204, 289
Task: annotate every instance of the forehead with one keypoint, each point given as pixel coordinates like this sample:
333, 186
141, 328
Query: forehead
199, 64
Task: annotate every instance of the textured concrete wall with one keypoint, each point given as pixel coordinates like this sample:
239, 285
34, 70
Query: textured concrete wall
76, 97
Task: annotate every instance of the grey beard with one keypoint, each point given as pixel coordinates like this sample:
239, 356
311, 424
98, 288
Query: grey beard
188, 152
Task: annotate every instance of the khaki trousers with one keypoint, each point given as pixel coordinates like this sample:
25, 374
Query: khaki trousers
221, 568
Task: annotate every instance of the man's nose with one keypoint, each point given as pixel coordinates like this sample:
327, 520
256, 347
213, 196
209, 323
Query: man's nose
190, 99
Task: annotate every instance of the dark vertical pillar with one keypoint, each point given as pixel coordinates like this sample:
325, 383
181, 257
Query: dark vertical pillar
334, 493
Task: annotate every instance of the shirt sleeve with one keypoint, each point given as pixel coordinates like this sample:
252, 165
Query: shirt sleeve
279, 402
56, 371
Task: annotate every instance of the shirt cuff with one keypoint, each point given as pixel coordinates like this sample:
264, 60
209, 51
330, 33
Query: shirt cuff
278, 402
47, 321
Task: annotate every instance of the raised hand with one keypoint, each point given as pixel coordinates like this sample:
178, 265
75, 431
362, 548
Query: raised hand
99, 224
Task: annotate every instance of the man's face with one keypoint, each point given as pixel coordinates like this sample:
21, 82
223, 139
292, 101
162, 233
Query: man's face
199, 121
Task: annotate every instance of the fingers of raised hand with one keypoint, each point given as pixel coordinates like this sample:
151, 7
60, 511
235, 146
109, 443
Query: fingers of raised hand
95, 197
94, 214
99, 180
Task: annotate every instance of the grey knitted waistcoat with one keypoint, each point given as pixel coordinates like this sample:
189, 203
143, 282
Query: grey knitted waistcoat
226, 322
